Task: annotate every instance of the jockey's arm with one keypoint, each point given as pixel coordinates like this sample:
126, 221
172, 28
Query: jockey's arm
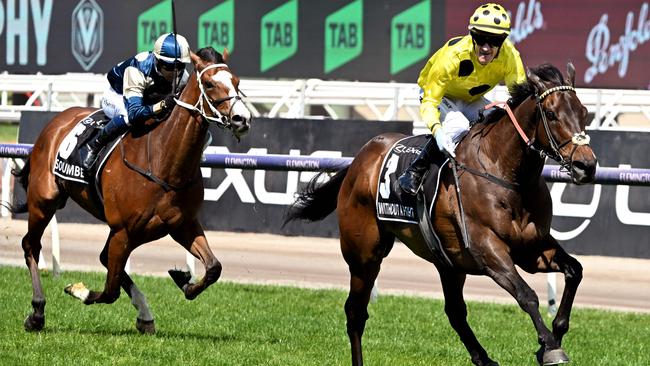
434, 87
134, 85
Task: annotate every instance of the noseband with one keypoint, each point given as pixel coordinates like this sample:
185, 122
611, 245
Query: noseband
578, 139
221, 120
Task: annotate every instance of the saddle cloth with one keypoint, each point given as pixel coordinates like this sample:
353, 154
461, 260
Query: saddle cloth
67, 164
393, 204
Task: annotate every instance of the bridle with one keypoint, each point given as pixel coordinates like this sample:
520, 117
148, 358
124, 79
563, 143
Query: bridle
219, 119
578, 138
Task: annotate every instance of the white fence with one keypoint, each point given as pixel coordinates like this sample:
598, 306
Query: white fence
311, 98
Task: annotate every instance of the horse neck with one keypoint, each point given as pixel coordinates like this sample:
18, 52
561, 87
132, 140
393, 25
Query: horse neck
180, 138
508, 151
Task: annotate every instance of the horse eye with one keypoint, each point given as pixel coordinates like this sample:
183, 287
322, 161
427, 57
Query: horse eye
209, 85
551, 115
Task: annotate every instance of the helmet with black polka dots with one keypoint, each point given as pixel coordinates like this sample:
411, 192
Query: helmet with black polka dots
490, 18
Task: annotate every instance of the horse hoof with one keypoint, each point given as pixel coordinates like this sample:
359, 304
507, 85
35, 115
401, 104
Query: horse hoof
145, 326
554, 357
181, 278
34, 323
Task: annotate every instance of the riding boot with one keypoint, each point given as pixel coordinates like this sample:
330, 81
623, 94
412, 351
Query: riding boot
411, 179
113, 129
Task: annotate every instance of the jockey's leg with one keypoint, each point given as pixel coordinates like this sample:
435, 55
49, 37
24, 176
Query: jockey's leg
411, 179
113, 129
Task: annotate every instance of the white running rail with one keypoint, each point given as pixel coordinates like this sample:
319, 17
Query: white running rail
301, 98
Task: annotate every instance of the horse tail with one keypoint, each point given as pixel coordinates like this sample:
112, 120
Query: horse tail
22, 174
316, 201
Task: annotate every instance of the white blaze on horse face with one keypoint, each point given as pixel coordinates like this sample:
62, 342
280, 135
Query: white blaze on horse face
225, 78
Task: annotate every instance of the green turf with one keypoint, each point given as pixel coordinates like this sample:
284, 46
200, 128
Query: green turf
8, 132
234, 324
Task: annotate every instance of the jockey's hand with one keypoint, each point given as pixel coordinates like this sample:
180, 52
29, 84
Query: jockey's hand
169, 103
444, 143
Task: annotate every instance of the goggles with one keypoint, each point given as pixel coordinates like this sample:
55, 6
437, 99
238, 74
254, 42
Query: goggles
171, 66
492, 41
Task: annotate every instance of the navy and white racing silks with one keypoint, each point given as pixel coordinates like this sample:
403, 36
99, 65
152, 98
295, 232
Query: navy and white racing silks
132, 77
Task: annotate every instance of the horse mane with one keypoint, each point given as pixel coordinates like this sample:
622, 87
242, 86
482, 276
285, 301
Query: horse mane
546, 72
211, 55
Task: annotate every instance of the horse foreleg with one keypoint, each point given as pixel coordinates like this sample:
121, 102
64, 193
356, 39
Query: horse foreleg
502, 270
191, 236
117, 252
144, 322
456, 310
556, 259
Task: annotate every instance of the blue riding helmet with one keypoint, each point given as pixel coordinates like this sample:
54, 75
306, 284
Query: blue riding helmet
170, 49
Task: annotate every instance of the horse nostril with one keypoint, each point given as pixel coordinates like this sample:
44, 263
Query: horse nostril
240, 120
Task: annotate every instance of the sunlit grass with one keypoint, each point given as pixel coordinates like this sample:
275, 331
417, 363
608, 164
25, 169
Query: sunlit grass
233, 324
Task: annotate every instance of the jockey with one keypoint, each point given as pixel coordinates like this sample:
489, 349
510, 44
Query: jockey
456, 78
135, 79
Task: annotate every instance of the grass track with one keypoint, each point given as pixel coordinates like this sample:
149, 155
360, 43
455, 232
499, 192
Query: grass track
233, 324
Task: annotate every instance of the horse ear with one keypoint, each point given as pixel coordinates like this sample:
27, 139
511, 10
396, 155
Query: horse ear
195, 58
571, 71
536, 81
226, 55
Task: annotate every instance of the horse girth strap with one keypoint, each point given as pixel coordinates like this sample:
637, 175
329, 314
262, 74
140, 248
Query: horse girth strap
148, 173
492, 178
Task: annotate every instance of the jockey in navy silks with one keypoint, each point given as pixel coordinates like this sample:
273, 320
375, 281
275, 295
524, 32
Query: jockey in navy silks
131, 80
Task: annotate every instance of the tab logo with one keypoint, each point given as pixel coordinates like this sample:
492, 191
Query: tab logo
410, 36
343, 35
153, 23
87, 33
279, 35
217, 27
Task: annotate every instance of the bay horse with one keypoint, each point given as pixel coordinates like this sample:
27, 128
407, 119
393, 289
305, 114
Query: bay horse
138, 208
507, 211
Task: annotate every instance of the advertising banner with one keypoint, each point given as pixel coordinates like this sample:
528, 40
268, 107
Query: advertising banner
365, 40
608, 41
591, 219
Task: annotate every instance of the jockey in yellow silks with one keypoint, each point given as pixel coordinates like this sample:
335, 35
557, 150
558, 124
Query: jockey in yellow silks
456, 78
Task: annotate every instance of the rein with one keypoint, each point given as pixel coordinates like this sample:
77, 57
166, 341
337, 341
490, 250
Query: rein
578, 139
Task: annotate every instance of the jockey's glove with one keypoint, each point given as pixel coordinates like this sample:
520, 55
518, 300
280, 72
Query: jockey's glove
168, 103
444, 142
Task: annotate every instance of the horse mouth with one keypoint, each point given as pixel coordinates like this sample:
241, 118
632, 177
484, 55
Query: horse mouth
583, 173
240, 130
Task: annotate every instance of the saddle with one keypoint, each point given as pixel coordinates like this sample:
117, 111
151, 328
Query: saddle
67, 165
393, 204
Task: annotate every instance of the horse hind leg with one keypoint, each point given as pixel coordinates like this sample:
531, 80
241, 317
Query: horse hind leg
192, 238
363, 255
456, 310
41, 211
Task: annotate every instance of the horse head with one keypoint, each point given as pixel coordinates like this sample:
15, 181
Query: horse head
220, 99
561, 132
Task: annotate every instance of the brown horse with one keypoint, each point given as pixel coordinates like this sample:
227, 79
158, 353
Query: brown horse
507, 212
137, 208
